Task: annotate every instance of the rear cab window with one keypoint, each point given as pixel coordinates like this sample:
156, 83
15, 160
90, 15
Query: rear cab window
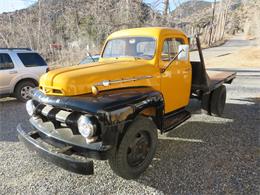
31, 59
6, 62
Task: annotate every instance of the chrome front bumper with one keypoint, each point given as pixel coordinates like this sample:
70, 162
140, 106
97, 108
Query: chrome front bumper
60, 156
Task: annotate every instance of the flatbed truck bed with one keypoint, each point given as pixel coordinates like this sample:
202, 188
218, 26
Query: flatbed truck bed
205, 82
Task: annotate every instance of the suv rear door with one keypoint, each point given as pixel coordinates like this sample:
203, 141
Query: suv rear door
33, 62
7, 73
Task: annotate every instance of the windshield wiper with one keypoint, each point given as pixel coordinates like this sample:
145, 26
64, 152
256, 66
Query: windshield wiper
138, 58
90, 56
135, 57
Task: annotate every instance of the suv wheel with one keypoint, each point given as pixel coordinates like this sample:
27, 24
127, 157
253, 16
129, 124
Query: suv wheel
23, 90
136, 150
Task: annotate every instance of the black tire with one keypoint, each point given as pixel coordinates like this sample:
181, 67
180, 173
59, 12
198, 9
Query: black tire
140, 138
20, 90
218, 101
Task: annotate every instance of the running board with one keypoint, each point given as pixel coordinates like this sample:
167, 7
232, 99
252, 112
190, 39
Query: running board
172, 120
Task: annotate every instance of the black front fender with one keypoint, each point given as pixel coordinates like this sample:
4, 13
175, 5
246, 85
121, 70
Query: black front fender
113, 109
142, 98
118, 103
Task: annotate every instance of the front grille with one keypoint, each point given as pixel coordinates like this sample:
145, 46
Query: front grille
62, 134
62, 121
51, 90
58, 117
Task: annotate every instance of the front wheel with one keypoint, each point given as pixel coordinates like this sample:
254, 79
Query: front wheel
23, 90
136, 150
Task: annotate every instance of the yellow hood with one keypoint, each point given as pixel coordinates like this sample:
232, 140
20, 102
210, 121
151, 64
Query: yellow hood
76, 80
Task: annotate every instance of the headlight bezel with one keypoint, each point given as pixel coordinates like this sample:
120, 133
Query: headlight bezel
86, 127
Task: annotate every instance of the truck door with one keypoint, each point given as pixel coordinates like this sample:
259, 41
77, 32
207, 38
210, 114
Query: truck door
176, 80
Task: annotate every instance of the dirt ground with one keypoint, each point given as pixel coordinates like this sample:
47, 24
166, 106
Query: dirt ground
205, 155
246, 57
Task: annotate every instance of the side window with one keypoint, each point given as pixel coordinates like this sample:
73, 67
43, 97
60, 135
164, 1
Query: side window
31, 59
5, 62
170, 48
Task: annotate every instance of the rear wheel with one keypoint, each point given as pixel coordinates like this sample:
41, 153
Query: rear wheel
218, 101
136, 150
23, 90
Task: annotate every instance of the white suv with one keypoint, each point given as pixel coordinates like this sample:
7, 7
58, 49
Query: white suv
20, 70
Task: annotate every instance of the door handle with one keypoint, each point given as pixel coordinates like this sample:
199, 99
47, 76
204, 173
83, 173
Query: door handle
12, 72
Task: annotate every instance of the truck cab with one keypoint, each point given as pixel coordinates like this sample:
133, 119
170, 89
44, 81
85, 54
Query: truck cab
156, 47
113, 109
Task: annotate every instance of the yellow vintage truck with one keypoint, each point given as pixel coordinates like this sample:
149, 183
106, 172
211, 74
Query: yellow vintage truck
113, 109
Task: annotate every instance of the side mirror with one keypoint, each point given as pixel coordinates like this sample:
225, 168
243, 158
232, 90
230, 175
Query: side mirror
184, 55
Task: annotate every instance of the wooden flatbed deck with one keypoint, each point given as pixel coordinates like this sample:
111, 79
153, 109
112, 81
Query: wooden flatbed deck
217, 78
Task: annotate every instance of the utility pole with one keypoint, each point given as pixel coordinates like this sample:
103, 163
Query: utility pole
212, 20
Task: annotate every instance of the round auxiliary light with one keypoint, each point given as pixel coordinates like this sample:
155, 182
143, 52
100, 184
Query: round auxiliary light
30, 107
86, 127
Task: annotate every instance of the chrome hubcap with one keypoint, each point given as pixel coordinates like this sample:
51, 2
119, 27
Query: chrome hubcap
26, 92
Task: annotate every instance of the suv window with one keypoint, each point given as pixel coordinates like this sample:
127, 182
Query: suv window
170, 48
31, 59
5, 62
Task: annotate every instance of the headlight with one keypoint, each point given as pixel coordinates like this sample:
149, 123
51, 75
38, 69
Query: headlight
30, 107
86, 127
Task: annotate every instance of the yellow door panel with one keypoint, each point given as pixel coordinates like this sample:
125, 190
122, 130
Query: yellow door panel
175, 81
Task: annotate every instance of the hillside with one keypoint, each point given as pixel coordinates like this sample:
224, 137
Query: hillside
76, 23
62, 30
188, 8
230, 17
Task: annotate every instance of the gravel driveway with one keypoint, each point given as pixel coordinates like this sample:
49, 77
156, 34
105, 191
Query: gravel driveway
206, 155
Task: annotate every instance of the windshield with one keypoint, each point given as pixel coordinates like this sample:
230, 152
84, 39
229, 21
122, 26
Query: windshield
138, 47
